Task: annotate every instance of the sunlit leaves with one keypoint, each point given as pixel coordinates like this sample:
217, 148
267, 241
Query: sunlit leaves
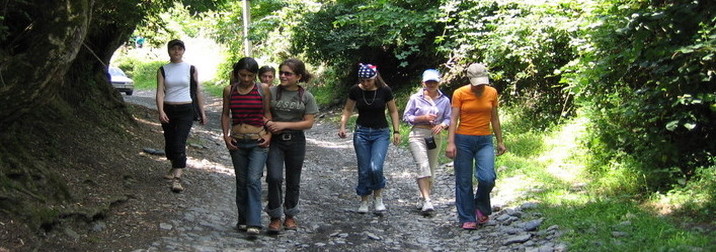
661, 57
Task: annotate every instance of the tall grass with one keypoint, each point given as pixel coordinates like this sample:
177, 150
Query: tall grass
597, 208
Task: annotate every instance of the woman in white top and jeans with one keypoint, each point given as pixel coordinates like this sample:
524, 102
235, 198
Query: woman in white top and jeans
176, 113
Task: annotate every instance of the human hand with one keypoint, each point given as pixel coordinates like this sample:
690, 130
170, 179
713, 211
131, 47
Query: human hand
430, 117
163, 118
450, 151
501, 149
342, 133
437, 129
274, 127
396, 139
203, 119
264, 141
230, 144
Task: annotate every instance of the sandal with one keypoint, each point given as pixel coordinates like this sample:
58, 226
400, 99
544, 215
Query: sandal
469, 225
481, 218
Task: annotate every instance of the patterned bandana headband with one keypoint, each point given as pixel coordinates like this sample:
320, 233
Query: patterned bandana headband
367, 71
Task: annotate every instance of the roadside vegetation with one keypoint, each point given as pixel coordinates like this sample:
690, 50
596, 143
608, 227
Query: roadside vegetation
608, 106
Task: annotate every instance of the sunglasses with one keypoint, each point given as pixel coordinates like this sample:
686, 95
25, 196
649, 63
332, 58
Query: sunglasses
286, 73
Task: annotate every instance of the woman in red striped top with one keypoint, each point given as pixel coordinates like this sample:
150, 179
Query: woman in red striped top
245, 112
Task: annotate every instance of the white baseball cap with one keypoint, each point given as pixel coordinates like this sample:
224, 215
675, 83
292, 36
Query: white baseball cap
431, 75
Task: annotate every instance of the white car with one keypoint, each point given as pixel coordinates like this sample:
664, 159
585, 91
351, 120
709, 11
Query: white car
120, 81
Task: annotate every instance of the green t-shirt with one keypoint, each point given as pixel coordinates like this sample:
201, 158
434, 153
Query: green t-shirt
289, 108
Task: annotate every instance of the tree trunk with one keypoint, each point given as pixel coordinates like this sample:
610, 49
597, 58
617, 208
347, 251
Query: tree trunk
44, 39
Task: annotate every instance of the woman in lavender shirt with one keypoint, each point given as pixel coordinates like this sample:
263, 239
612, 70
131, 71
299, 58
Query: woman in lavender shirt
429, 112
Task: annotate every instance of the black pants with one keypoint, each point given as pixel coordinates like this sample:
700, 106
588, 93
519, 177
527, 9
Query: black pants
176, 132
287, 150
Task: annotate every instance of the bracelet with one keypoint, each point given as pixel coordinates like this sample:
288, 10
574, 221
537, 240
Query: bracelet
396, 132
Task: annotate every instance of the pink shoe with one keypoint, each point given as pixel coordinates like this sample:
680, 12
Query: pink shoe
469, 226
481, 218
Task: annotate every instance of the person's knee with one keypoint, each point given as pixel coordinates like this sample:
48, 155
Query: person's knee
273, 179
489, 182
464, 182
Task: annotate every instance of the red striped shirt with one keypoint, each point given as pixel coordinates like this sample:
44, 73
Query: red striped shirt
246, 108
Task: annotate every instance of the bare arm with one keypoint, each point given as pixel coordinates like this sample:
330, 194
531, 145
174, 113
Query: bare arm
497, 129
347, 112
226, 119
450, 150
160, 98
266, 101
306, 123
396, 121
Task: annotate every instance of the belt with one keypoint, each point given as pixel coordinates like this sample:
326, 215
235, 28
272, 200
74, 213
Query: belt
424, 126
245, 136
288, 135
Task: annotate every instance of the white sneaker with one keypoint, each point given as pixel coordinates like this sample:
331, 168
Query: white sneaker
419, 204
363, 207
427, 207
379, 207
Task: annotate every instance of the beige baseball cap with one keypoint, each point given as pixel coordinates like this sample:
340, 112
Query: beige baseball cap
478, 74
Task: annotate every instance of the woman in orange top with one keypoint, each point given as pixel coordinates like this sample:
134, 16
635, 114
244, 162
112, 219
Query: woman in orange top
474, 106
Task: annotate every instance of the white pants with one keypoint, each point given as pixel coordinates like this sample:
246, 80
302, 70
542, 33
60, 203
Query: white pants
426, 160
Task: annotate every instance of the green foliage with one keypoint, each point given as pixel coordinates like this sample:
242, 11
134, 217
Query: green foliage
647, 80
589, 210
695, 200
524, 44
168, 19
610, 225
144, 73
397, 36
270, 31
344, 28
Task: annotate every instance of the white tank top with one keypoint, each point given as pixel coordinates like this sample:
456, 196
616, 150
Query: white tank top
176, 82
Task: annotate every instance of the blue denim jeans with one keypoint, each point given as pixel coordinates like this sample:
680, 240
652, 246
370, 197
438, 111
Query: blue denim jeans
249, 162
288, 150
475, 157
176, 132
371, 146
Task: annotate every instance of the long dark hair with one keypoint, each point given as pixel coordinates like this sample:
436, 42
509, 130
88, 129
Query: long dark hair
298, 67
246, 63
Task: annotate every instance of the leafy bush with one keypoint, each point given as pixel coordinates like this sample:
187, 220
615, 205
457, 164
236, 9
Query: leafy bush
648, 83
523, 43
397, 36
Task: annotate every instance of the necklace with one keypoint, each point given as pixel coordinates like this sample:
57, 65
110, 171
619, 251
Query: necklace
371, 102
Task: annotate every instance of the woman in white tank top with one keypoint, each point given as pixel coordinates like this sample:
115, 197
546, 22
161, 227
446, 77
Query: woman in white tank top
176, 113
